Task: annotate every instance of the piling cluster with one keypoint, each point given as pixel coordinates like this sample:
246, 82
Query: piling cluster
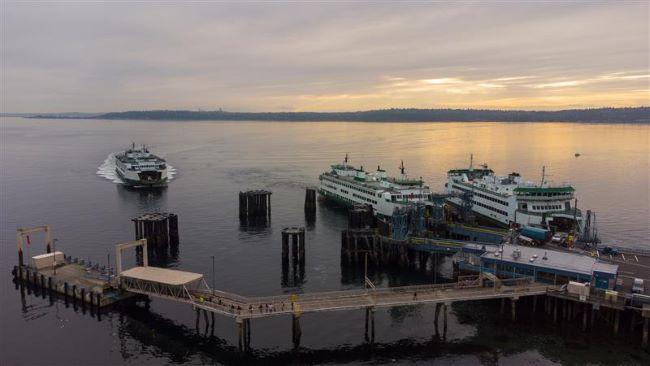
363, 247
255, 207
161, 232
294, 275
361, 217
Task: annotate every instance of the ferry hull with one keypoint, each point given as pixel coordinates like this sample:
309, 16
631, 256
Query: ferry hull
148, 182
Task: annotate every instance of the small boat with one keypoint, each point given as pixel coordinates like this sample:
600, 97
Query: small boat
576, 155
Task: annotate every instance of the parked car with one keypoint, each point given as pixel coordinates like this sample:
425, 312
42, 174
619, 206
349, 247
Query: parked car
610, 251
559, 238
638, 287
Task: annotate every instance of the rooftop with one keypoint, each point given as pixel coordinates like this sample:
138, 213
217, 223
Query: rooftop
562, 261
162, 275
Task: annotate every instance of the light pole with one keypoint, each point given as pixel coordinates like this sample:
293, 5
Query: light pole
212, 274
54, 254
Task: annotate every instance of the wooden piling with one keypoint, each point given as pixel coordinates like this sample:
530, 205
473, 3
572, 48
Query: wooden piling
372, 325
444, 314
644, 341
366, 337
295, 236
254, 207
296, 332
310, 200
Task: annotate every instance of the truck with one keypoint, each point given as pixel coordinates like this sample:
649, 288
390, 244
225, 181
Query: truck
536, 233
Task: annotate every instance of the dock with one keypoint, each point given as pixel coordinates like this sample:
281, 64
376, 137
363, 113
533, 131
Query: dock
500, 276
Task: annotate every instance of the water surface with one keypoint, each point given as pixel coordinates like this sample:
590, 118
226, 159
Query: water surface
49, 177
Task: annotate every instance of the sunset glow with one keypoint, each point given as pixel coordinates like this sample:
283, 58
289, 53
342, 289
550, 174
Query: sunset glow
98, 57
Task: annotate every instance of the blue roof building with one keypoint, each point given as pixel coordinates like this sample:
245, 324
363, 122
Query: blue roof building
549, 266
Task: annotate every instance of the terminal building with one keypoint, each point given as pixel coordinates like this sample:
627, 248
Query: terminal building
548, 266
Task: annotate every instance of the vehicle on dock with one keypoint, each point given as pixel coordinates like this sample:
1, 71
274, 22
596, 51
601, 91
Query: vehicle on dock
137, 167
348, 186
638, 286
508, 200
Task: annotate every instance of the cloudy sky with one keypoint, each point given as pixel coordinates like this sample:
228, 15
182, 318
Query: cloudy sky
325, 56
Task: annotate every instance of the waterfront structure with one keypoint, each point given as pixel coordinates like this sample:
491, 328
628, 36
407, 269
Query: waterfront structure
348, 185
509, 199
548, 266
137, 167
97, 288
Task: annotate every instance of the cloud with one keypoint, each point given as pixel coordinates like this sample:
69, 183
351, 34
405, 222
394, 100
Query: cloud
72, 56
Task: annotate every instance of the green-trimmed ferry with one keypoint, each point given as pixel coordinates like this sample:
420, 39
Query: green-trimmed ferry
140, 168
348, 185
509, 199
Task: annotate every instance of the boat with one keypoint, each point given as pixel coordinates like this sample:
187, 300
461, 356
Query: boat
137, 167
507, 200
347, 185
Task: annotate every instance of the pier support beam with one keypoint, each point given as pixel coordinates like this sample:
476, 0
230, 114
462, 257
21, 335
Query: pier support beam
365, 336
644, 341
296, 332
513, 308
444, 317
534, 304
594, 309
617, 318
584, 317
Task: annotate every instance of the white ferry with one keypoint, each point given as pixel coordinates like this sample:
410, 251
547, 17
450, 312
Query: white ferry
348, 185
509, 199
140, 168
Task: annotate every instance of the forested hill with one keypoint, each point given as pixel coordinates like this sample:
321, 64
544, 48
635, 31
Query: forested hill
621, 115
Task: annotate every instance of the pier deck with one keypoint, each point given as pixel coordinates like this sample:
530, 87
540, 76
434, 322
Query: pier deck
243, 307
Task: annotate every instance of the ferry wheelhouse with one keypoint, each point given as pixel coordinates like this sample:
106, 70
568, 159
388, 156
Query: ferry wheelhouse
348, 185
509, 199
140, 168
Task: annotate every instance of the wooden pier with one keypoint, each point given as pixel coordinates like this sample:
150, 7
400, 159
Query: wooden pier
98, 286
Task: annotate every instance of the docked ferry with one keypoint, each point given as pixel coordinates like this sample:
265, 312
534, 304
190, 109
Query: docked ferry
509, 199
348, 185
137, 167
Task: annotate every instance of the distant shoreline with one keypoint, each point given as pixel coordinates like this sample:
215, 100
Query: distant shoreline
639, 115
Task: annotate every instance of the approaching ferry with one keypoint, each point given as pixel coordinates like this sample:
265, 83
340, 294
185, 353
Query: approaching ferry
348, 185
508, 199
140, 168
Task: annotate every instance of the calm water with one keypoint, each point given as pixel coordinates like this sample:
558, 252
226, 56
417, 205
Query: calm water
49, 177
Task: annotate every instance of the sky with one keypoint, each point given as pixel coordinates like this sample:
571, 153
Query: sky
74, 56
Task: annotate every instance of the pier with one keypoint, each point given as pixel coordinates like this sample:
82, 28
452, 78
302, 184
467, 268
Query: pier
97, 286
